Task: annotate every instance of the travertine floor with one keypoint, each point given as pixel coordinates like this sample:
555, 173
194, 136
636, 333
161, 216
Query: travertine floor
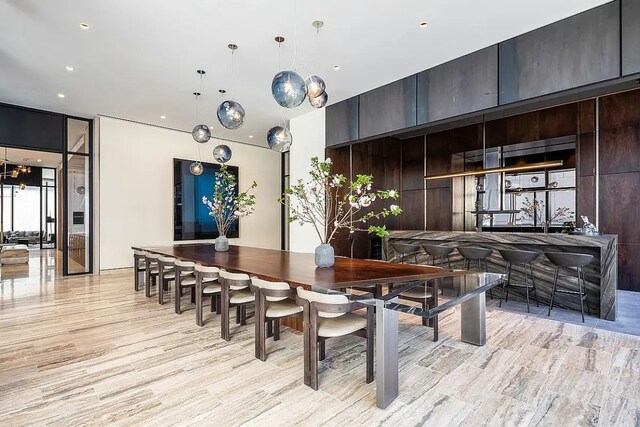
90, 351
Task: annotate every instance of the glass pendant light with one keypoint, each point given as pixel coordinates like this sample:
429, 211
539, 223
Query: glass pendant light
231, 113
222, 153
279, 138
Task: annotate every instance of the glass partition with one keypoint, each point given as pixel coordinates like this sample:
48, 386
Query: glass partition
78, 190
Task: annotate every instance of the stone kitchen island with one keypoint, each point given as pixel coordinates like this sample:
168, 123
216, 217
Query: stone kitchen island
601, 275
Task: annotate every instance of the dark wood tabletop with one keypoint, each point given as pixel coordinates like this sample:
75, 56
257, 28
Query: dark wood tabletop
298, 268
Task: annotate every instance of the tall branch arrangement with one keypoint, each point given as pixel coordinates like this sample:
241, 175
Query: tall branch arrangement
329, 202
534, 210
227, 205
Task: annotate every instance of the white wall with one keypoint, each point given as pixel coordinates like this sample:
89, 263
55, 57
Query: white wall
308, 140
136, 188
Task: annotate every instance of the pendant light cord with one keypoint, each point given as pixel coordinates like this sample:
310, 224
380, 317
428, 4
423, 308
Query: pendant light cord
295, 34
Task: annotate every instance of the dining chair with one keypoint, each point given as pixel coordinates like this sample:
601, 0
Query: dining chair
206, 280
139, 268
183, 269
235, 293
152, 270
166, 273
427, 296
328, 316
274, 301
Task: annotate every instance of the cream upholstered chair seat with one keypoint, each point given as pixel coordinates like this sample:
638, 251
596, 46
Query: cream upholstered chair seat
274, 301
235, 293
419, 292
282, 308
339, 326
212, 288
205, 279
328, 316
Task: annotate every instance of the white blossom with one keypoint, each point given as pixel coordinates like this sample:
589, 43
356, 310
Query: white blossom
392, 193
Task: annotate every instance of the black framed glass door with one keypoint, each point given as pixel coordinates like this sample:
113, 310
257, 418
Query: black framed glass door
78, 205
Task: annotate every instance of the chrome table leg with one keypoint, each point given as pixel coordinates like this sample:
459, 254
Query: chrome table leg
386, 355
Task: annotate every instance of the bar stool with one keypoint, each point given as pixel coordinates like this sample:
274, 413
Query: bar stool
235, 293
405, 250
570, 260
518, 257
151, 267
139, 268
440, 252
473, 253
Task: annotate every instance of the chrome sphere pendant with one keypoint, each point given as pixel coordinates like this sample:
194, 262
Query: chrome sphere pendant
231, 114
279, 139
288, 89
222, 153
319, 101
201, 133
315, 86
196, 168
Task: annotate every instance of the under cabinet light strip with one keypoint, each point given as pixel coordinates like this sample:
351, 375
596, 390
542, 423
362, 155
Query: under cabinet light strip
528, 167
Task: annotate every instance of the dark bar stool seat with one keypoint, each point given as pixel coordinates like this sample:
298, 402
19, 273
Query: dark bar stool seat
524, 258
476, 253
570, 260
440, 252
405, 250
472, 253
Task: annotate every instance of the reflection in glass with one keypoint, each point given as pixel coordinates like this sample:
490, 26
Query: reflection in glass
78, 197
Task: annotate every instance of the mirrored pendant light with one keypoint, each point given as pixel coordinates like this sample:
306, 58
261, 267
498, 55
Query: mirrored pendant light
200, 133
230, 113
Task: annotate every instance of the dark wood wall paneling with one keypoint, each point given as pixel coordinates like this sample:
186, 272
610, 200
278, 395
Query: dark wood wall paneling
380, 158
586, 164
412, 196
619, 158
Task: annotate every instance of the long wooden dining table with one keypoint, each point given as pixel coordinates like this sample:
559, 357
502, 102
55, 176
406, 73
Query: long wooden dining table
299, 269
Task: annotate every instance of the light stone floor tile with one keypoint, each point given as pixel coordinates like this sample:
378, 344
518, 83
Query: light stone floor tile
91, 351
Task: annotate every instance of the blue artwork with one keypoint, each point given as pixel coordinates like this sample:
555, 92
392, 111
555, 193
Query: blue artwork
191, 216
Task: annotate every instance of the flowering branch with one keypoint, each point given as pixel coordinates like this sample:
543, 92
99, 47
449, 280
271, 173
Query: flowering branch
227, 205
329, 203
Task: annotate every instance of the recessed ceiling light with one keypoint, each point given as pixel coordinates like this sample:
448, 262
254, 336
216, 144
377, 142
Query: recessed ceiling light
61, 95
39, 160
69, 68
336, 67
163, 117
423, 25
84, 26
250, 136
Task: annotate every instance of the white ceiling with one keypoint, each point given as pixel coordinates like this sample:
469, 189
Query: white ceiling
30, 158
138, 59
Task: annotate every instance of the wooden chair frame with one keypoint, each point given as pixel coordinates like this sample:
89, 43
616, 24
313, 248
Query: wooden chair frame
179, 270
264, 323
139, 266
427, 303
241, 309
150, 278
199, 292
314, 346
